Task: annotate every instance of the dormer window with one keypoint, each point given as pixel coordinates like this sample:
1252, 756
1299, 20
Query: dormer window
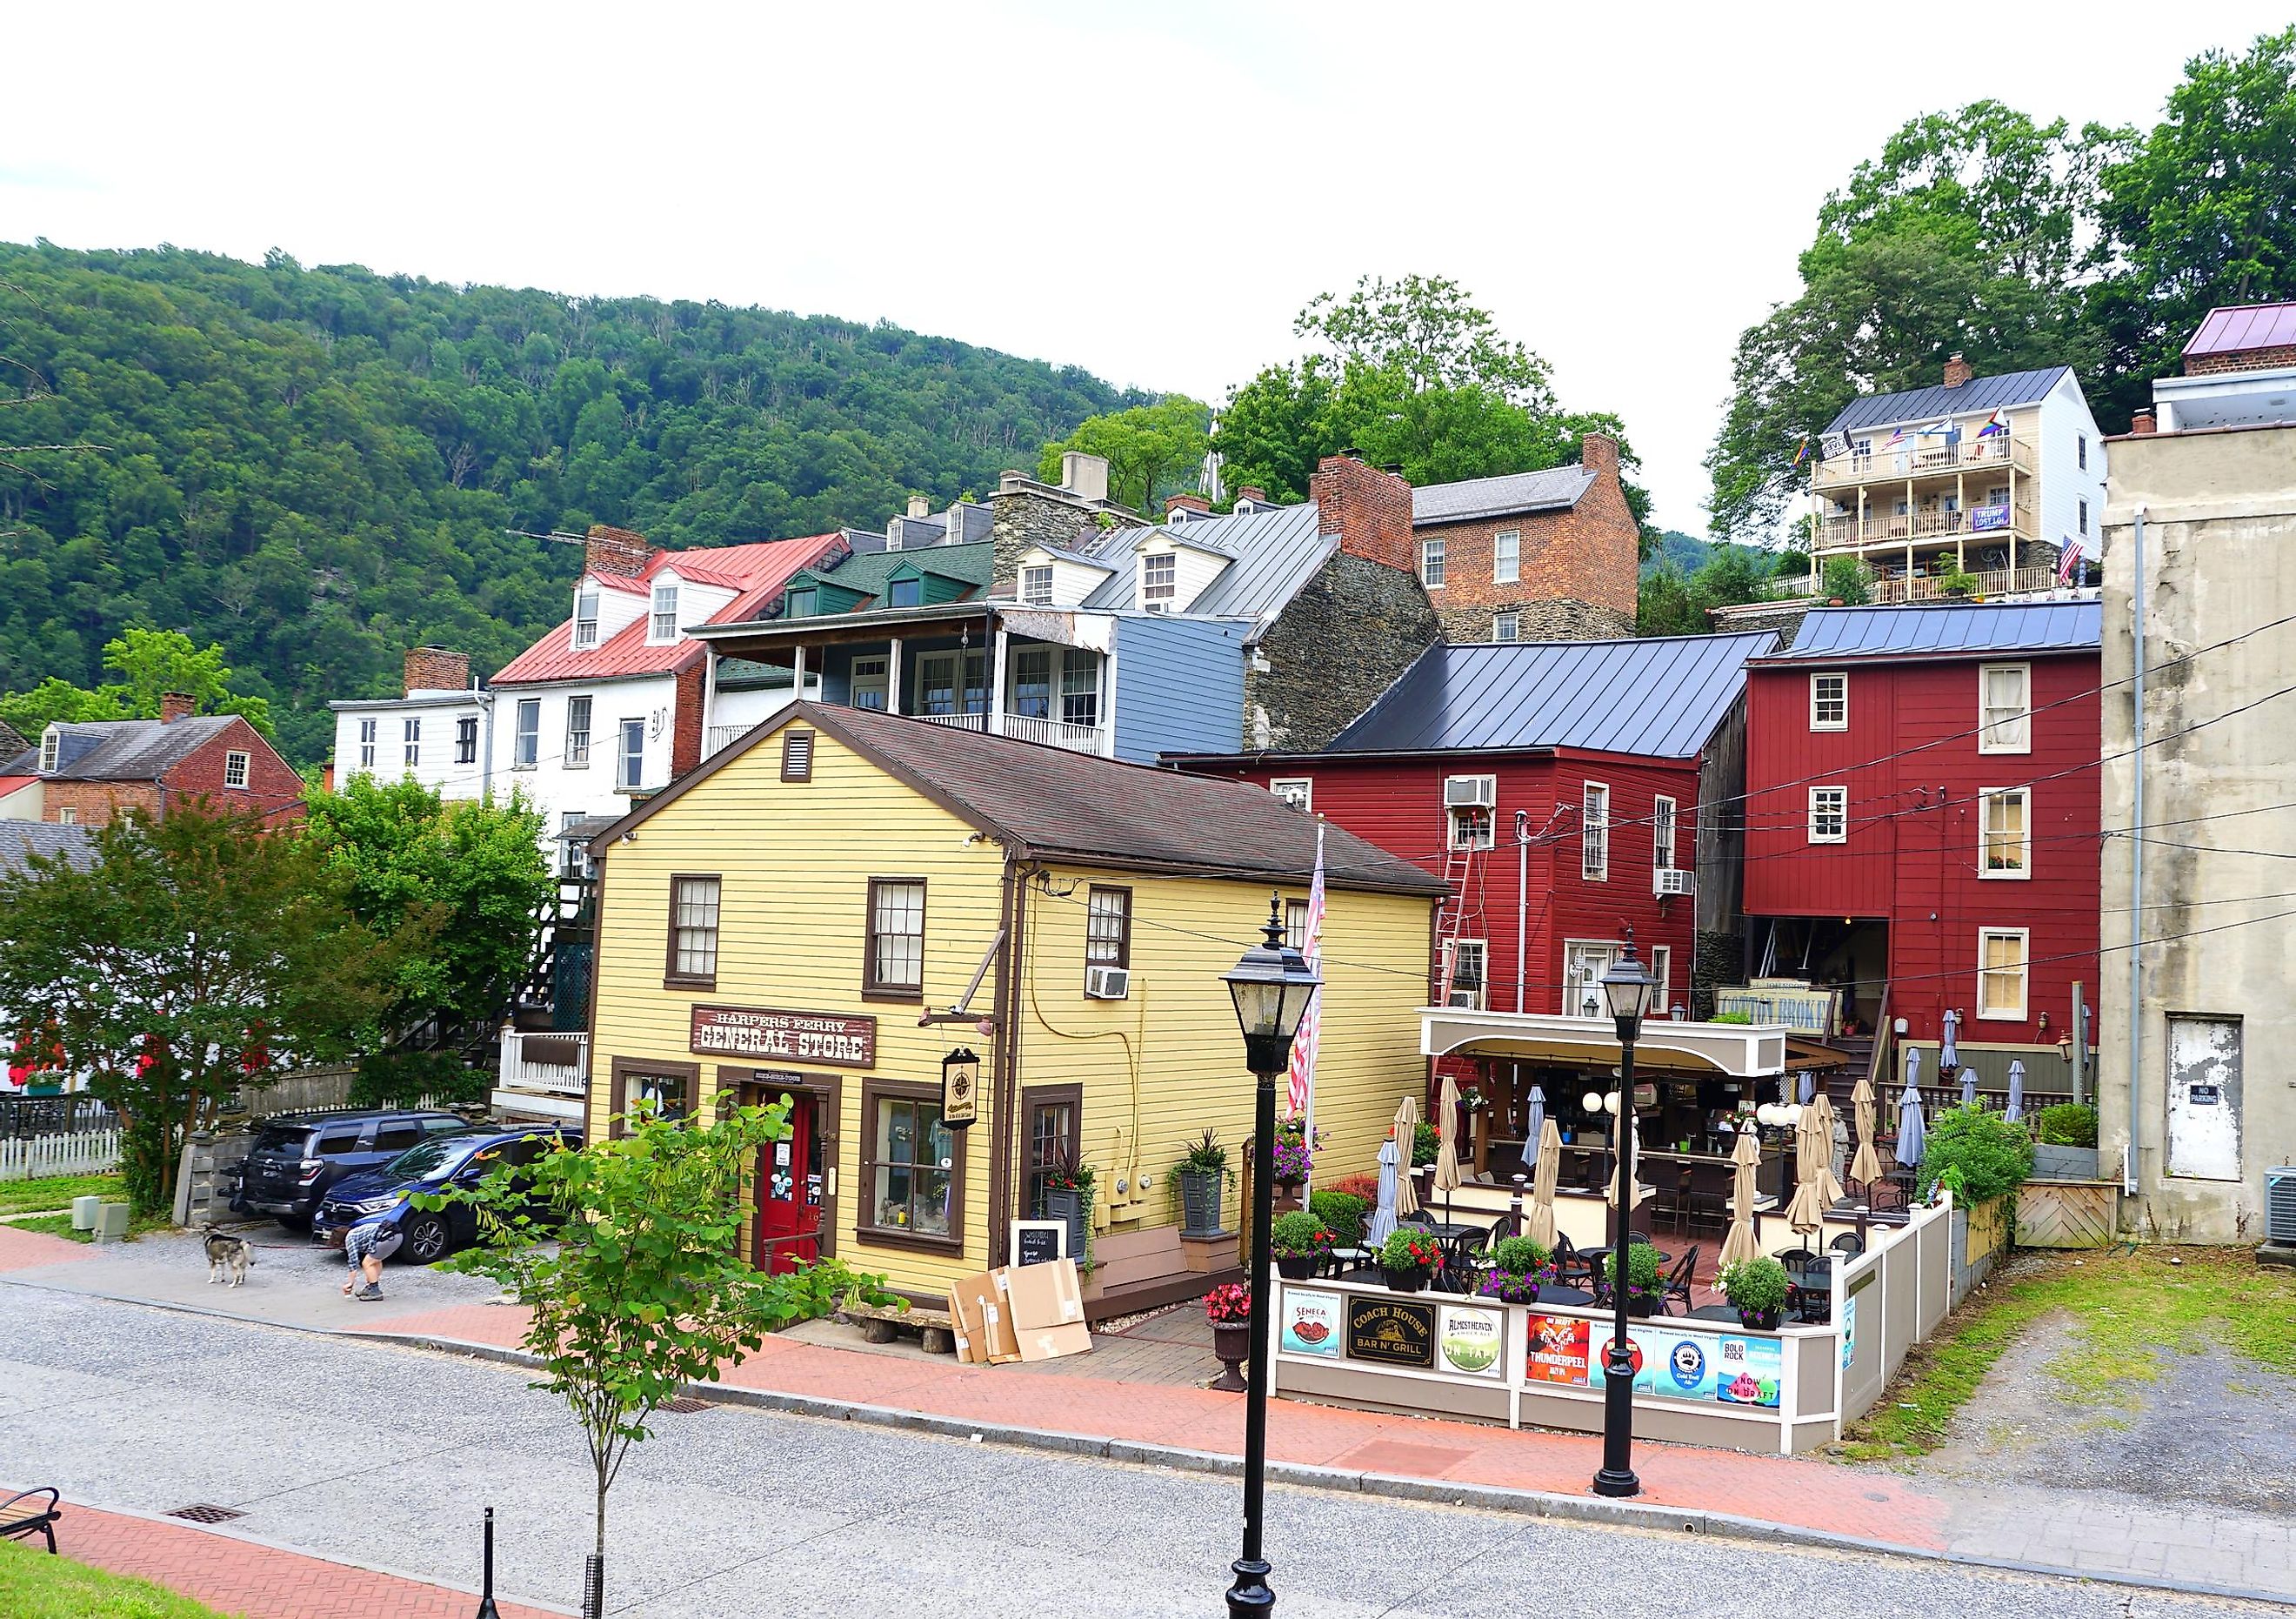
1037, 586
905, 593
1160, 581
663, 626
586, 615
804, 604
49, 745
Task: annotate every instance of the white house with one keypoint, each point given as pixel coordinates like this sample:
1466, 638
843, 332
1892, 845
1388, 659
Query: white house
438, 731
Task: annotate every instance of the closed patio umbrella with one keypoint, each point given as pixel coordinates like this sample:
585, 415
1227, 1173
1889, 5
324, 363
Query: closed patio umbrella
1910, 1132
1968, 1088
1741, 1242
1407, 1135
2016, 1108
1807, 1087
1948, 1049
1447, 1156
1865, 1169
1816, 1189
1538, 1224
1382, 1217
1534, 1116
1627, 1168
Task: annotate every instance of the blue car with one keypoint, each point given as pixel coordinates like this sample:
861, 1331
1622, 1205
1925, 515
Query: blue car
379, 1196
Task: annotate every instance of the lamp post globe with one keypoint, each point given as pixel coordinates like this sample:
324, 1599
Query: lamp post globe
1626, 992
1272, 986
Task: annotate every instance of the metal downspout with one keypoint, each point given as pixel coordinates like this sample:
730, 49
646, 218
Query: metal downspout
2136, 869
1521, 901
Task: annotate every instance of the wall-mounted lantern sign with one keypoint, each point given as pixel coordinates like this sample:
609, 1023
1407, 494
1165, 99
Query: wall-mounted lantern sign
960, 1089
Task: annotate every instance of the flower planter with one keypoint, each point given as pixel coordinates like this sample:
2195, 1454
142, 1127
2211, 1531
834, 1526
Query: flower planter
1409, 1280
1760, 1321
1232, 1343
1073, 1205
1641, 1304
1296, 1267
1200, 1202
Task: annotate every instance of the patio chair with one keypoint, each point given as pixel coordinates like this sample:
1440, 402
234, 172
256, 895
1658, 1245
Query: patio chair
1573, 1268
1676, 1287
1849, 1242
21, 1515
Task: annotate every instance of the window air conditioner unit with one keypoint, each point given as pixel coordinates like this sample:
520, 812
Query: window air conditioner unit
1471, 1000
2280, 1205
1470, 793
1673, 880
1108, 983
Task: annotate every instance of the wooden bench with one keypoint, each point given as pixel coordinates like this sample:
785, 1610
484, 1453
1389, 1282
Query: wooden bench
21, 1515
935, 1331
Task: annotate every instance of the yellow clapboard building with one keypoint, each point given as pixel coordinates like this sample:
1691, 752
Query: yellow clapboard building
830, 907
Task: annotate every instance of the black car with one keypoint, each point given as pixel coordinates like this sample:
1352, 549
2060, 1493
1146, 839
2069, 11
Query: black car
459, 1160
297, 1156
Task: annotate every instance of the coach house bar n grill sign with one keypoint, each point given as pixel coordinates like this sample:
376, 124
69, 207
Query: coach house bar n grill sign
889, 922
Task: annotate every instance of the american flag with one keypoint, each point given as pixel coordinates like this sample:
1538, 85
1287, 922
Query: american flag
2069, 560
1311, 1024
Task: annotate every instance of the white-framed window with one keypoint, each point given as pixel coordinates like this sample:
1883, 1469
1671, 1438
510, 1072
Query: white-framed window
1506, 627
662, 626
525, 736
234, 769
2083, 517
629, 763
937, 688
586, 615
2005, 839
1829, 815
1471, 826
1079, 689
577, 733
1037, 586
1829, 700
2080, 449
2003, 954
411, 728
871, 678
1470, 973
1430, 562
1662, 972
51, 742
2004, 708
574, 859
1595, 833
1662, 819
67, 817
1295, 924
367, 729
1584, 963
1160, 581
466, 739
1506, 557
1297, 791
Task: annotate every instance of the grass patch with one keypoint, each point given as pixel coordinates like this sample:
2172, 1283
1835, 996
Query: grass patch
57, 1191
34, 1585
61, 1225
2128, 1311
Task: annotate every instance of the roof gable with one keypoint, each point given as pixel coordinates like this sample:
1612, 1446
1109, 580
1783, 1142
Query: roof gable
133, 749
1272, 554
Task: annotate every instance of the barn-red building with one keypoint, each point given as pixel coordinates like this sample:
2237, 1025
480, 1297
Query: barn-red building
1921, 820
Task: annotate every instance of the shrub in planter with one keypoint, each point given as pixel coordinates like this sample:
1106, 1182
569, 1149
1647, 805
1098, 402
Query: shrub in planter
1957, 584
1975, 1155
1229, 1307
1731, 1017
1425, 1144
1363, 1186
1515, 1287
1641, 1277
1520, 1255
1343, 1213
1295, 1155
1757, 1290
2069, 1124
1202, 1175
1298, 1241
1409, 1254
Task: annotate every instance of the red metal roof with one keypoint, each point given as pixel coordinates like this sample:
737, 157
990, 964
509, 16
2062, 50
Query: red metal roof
2240, 327
755, 572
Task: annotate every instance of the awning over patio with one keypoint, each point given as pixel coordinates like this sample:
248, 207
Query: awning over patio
1741, 1051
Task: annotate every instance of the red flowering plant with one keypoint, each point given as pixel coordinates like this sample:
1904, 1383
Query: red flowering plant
1409, 1249
1229, 1303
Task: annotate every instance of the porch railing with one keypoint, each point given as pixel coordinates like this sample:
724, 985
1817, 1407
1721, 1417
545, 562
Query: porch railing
559, 1064
721, 736
1977, 522
1990, 582
1912, 459
1027, 728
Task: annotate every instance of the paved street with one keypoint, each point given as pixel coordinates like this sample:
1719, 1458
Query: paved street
384, 1456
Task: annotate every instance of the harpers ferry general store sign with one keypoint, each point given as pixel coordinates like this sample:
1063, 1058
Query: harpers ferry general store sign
789, 1037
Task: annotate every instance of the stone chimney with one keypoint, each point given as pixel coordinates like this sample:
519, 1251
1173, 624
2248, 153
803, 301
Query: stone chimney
2144, 421
177, 705
920, 506
434, 669
1958, 372
616, 551
1084, 476
1254, 493
1184, 503
1598, 452
1368, 509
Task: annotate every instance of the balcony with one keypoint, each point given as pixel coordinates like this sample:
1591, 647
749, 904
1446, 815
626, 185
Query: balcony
1916, 458
1026, 728
719, 738
1983, 522
1990, 582
547, 1074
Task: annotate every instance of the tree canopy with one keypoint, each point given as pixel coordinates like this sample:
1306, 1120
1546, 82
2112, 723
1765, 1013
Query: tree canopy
1152, 450
151, 663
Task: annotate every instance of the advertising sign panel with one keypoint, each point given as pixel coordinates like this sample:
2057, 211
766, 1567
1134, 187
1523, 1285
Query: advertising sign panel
1472, 1340
1310, 1324
1557, 1350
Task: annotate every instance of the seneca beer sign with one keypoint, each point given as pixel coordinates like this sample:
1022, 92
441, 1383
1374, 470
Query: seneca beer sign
826, 1037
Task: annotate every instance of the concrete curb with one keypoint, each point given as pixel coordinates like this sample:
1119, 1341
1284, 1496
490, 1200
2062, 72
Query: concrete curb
1643, 1515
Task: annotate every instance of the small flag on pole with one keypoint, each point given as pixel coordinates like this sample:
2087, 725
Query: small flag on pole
1896, 439
1997, 423
1802, 451
2068, 560
1304, 1042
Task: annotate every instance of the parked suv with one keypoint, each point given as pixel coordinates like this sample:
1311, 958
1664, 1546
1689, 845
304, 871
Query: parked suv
297, 1156
462, 1159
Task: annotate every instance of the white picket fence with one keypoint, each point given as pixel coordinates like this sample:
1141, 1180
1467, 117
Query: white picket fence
84, 1153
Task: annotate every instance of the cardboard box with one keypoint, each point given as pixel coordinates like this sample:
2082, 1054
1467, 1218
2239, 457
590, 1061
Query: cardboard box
1051, 1342
964, 1326
983, 1299
1044, 1296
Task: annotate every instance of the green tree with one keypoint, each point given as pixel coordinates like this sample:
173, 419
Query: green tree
193, 955
53, 701
151, 663
1672, 603
1152, 450
625, 1255
1846, 581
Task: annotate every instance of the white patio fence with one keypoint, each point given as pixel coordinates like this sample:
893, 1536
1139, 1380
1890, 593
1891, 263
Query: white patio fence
91, 1152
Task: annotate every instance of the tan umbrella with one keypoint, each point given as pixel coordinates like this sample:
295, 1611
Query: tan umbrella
1865, 1169
1407, 1131
1540, 1225
1742, 1244
1447, 1179
1627, 1166
1816, 1190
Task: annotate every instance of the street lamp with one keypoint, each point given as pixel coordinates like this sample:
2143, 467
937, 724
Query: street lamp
1627, 991
1272, 986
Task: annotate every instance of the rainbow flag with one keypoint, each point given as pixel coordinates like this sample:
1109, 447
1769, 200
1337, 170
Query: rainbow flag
1997, 423
1803, 451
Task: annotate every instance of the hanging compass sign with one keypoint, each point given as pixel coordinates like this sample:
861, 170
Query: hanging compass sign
960, 1089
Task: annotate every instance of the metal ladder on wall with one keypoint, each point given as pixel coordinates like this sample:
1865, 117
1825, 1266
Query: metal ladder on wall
1451, 920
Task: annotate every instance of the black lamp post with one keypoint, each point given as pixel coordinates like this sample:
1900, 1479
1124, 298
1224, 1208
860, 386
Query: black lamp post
1272, 986
1626, 991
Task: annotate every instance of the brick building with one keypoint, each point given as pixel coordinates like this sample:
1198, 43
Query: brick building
1530, 556
88, 774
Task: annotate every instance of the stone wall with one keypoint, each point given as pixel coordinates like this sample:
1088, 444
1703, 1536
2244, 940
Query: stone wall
1028, 512
1721, 960
1559, 620
1342, 641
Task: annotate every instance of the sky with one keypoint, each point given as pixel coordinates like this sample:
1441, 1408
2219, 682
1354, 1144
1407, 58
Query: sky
1149, 192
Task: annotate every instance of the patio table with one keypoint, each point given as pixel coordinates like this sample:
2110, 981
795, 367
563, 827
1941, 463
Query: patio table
1564, 1295
1713, 1312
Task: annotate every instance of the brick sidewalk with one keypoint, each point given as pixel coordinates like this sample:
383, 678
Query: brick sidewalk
26, 1250
251, 1578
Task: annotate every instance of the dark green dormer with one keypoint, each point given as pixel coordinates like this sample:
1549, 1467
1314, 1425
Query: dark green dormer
811, 597
914, 582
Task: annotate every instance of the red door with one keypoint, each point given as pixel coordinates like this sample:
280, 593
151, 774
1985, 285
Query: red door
790, 1186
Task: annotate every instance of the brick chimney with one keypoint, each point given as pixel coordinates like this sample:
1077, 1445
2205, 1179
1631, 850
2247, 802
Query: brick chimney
1368, 509
1254, 493
177, 705
1184, 503
1958, 372
616, 551
2144, 421
1598, 452
434, 669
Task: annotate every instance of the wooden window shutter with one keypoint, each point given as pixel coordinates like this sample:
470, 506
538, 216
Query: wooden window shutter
796, 756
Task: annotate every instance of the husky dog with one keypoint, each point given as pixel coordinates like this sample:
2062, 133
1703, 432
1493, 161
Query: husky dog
228, 1256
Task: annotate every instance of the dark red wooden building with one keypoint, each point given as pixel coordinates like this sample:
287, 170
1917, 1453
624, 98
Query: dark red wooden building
1921, 820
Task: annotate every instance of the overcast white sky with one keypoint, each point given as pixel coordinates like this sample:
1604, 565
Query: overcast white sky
1150, 192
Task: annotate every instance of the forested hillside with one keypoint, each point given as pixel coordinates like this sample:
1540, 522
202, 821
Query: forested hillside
318, 468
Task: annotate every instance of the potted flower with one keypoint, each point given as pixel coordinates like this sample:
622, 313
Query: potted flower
1295, 1153
1203, 1176
1409, 1257
1301, 1242
1643, 1286
1519, 1266
1757, 1290
1067, 1195
1229, 1307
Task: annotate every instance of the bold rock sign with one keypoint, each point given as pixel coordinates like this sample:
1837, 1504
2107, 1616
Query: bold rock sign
824, 1038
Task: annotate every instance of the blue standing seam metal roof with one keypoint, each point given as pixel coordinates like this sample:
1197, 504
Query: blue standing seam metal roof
1934, 403
1946, 630
1659, 698
1275, 553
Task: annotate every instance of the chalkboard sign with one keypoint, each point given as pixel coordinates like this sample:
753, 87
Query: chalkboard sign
1039, 1241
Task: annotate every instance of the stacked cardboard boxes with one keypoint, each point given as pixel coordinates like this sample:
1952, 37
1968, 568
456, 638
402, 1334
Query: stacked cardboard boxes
1025, 1313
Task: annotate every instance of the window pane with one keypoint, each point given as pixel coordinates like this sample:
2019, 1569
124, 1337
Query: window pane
696, 924
1506, 557
1079, 689
896, 934
1108, 926
1031, 696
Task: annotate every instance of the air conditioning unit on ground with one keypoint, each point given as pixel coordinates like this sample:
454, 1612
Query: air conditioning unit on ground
2280, 1205
1471, 792
1108, 983
1673, 880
